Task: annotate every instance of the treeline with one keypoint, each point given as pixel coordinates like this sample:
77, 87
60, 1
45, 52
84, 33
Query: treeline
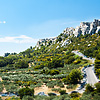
13, 61
97, 65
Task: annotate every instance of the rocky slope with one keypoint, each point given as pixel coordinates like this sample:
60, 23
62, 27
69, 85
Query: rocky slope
84, 28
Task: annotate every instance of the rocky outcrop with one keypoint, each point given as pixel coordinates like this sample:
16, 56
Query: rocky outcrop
68, 31
45, 42
84, 28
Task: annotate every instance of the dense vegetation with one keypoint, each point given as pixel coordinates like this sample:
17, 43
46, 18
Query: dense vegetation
52, 65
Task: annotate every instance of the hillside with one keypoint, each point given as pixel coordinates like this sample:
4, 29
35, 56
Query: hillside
51, 66
84, 28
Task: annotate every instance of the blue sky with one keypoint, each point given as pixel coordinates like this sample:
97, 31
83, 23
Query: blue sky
24, 22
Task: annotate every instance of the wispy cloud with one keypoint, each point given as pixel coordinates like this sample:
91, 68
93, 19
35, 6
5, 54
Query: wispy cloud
19, 39
2, 22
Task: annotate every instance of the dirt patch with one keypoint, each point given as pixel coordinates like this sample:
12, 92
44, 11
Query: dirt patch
44, 89
0, 79
4, 90
4, 98
47, 90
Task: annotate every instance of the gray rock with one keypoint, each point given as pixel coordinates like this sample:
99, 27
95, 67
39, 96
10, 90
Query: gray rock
84, 28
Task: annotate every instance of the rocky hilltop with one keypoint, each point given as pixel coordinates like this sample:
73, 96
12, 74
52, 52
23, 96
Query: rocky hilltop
84, 28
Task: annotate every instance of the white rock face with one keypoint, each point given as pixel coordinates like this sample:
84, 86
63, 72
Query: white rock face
98, 29
68, 31
77, 31
84, 28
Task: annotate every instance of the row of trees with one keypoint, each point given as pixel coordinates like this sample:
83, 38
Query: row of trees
97, 64
54, 63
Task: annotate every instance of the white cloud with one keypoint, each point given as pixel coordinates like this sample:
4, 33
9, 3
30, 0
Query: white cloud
19, 39
2, 22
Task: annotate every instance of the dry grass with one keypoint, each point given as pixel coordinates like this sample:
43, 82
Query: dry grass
47, 90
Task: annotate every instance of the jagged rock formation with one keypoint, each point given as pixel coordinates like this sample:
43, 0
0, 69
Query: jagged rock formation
84, 28
45, 42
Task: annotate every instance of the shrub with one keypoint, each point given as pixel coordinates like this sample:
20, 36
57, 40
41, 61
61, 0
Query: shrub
55, 63
56, 89
69, 60
1, 87
89, 88
21, 64
97, 85
26, 91
50, 85
27, 98
39, 66
77, 61
64, 80
62, 92
75, 75
51, 94
54, 72
71, 86
74, 95
98, 71
61, 85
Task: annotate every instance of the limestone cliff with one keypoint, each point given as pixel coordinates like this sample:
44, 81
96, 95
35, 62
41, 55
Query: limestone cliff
84, 28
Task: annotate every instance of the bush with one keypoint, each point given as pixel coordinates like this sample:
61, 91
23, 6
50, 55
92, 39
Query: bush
75, 75
74, 95
64, 80
77, 61
21, 64
89, 88
27, 98
39, 66
26, 91
56, 89
62, 92
50, 85
55, 63
51, 94
97, 85
54, 72
71, 86
69, 60
98, 72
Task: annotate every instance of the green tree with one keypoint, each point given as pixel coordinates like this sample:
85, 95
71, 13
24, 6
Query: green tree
75, 75
97, 85
28, 98
62, 92
97, 64
69, 60
21, 64
98, 71
55, 63
75, 95
26, 91
54, 72
89, 88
